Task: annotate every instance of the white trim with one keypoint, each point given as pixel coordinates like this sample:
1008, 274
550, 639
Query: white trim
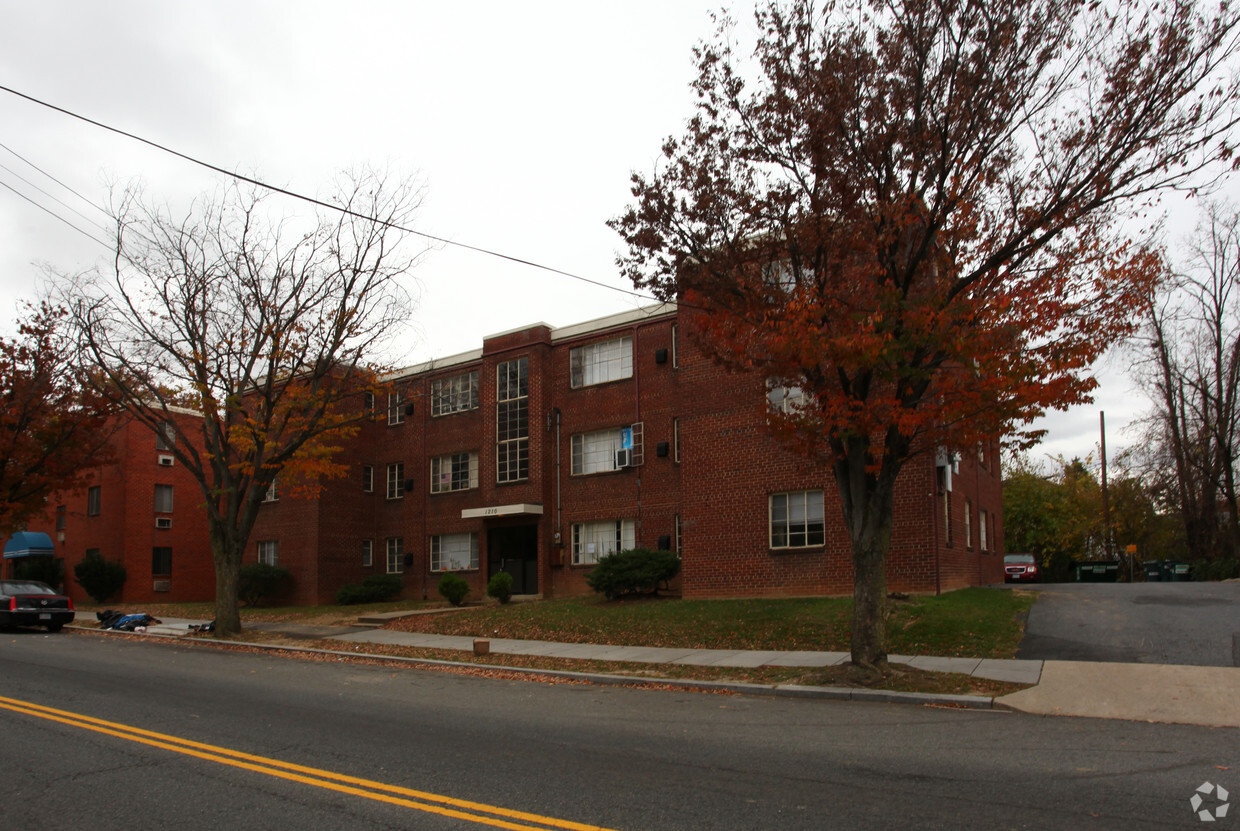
502, 510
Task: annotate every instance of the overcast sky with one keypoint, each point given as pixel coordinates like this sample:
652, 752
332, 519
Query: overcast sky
523, 120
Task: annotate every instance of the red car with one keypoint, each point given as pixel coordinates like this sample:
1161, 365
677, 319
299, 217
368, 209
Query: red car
1020, 568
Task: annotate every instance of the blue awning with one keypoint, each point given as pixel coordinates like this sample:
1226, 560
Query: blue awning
29, 544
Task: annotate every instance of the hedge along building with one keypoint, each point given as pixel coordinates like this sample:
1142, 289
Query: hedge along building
550, 447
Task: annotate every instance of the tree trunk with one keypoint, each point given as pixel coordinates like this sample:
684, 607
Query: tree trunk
227, 573
867, 503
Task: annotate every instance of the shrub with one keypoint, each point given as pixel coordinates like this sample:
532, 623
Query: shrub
376, 588
1218, 569
632, 571
453, 588
99, 577
258, 581
500, 587
383, 586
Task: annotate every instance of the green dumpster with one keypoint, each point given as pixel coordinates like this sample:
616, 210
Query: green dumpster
1179, 572
1155, 571
1097, 571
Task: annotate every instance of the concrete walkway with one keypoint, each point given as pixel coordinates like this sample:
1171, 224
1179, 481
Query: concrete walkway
1138, 692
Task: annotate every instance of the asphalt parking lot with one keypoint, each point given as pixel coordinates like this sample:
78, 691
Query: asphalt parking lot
1192, 624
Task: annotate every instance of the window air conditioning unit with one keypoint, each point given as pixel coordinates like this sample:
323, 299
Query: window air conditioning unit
163, 522
624, 457
165, 461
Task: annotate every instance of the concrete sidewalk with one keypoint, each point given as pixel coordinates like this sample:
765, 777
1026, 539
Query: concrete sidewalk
1206, 696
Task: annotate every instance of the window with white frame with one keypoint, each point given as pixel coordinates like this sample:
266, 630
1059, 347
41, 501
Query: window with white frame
675, 346
455, 472
968, 523
597, 363
454, 395
395, 480
797, 519
273, 492
676, 439
396, 412
594, 540
163, 499
368, 553
785, 399
595, 452
368, 402
165, 436
395, 555
512, 421
983, 517
94, 499
368, 478
269, 552
454, 552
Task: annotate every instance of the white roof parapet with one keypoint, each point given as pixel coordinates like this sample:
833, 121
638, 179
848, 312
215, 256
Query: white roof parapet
599, 324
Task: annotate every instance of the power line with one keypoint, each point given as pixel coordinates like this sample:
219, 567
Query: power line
56, 215
311, 200
90, 202
51, 197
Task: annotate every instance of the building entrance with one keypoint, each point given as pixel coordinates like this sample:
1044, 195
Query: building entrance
514, 549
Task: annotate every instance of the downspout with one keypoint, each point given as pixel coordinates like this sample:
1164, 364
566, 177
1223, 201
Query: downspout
934, 514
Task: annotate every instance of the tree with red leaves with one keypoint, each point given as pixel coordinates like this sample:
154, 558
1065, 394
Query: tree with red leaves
914, 211
51, 422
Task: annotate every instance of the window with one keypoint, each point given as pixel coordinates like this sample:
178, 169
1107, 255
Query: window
981, 529
783, 399
595, 452
368, 478
94, 498
395, 483
968, 523
675, 346
368, 553
678, 549
454, 552
163, 499
395, 555
592, 540
455, 394
947, 517
797, 520
61, 517
368, 402
161, 560
597, 363
456, 472
512, 421
269, 552
165, 436
396, 414
273, 492
676, 440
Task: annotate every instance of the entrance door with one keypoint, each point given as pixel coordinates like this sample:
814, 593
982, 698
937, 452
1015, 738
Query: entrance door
514, 549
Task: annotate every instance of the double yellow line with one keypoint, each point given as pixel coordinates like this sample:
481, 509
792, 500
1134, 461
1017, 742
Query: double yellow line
368, 789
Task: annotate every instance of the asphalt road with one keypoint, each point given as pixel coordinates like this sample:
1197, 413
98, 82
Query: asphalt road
600, 756
1191, 624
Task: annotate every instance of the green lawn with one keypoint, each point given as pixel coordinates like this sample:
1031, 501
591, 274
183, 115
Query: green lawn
980, 623
983, 623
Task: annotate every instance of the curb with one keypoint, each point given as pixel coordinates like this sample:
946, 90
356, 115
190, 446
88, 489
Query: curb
971, 702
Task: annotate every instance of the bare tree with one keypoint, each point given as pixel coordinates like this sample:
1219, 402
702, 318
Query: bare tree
1191, 370
264, 326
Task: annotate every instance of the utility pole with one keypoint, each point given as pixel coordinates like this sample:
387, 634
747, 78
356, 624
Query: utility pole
1106, 505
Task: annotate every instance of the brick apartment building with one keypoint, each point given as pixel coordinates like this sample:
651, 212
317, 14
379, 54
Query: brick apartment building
142, 510
550, 447
537, 454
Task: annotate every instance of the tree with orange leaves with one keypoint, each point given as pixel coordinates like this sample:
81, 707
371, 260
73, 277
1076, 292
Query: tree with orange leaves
264, 327
914, 211
51, 421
